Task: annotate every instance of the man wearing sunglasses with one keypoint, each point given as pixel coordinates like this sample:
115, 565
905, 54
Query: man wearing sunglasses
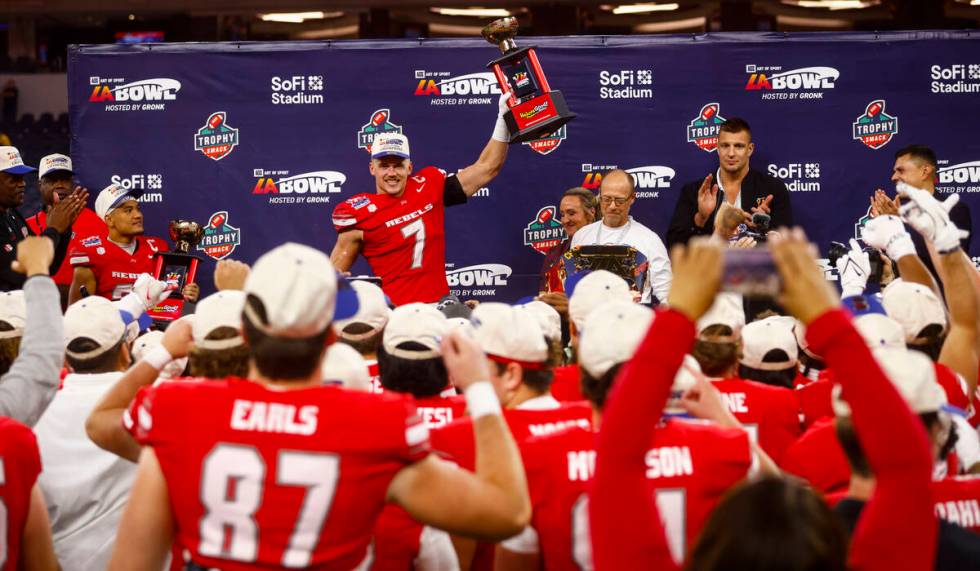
617, 227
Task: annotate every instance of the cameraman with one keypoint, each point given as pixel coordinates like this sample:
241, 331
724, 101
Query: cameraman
742, 187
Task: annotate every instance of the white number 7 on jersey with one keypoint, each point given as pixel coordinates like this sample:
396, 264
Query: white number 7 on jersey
418, 229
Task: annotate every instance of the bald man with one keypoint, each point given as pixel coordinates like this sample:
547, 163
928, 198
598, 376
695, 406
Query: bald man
617, 227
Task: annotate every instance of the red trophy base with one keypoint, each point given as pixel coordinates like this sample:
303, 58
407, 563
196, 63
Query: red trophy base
180, 270
535, 110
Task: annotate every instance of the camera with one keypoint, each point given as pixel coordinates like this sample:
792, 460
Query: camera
837, 250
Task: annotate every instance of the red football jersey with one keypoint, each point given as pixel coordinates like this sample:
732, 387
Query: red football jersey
769, 413
455, 441
87, 224
690, 466
818, 458
376, 387
20, 465
815, 399
265, 478
567, 384
404, 237
958, 501
114, 268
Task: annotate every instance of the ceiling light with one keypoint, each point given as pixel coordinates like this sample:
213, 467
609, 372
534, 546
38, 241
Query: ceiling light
473, 12
836, 4
293, 17
974, 2
644, 8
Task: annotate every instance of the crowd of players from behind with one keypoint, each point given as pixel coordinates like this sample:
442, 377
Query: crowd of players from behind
298, 420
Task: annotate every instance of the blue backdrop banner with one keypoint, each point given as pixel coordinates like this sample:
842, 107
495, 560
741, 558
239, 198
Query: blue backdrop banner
260, 141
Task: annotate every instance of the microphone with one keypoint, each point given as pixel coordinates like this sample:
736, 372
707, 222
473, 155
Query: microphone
761, 221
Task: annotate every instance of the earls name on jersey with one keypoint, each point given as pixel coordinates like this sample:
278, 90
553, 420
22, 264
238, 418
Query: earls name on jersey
662, 462
257, 416
410, 216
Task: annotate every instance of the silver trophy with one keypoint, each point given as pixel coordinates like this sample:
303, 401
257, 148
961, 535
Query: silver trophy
186, 234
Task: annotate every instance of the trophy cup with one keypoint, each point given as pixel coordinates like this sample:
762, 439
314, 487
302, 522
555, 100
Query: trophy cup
625, 261
535, 110
177, 268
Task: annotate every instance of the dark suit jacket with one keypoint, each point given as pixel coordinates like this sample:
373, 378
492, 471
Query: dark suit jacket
755, 187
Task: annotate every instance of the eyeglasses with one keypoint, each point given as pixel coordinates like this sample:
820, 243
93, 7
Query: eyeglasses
607, 200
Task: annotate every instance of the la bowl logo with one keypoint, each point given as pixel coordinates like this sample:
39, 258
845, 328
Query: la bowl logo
479, 275
806, 78
545, 231
216, 139
874, 127
962, 177
380, 123
156, 89
649, 180
703, 129
440, 85
548, 143
308, 187
220, 238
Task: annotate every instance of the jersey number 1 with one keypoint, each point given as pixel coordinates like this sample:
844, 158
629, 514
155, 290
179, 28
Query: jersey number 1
232, 482
416, 229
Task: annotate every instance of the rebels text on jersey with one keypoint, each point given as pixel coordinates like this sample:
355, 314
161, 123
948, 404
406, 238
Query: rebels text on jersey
20, 465
262, 478
689, 465
404, 237
116, 269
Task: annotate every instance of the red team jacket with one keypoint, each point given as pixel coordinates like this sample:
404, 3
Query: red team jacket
87, 224
114, 268
20, 465
689, 467
404, 237
276, 478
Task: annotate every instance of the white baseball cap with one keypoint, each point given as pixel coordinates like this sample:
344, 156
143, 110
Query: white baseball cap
912, 373
510, 335
344, 366
417, 322
300, 292
611, 335
547, 316
13, 310
880, 331
112, 196
726, 310
221, 309
96, 318
914, 306
765, 335
592, 290
147, 341
10, 161
390, 144
684, 380
54, 163
373, 311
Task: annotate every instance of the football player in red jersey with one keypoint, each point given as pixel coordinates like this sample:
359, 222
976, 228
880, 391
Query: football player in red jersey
282, 471
689, 469
24, 521
364, 331
400, 228
55, 184
108, 266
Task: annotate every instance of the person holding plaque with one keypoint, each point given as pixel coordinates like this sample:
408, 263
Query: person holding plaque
400, 227
108, 266
616, 195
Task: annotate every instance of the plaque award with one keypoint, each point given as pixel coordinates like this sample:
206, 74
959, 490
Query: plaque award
625, 261
177, 268
535, 110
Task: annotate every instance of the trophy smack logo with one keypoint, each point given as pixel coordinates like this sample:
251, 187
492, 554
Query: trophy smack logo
703, 129
142, 95
545, 231
379, 123
220, 238
875, 128
306, 188
216, 139
548, 143
802, 83
445, 89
